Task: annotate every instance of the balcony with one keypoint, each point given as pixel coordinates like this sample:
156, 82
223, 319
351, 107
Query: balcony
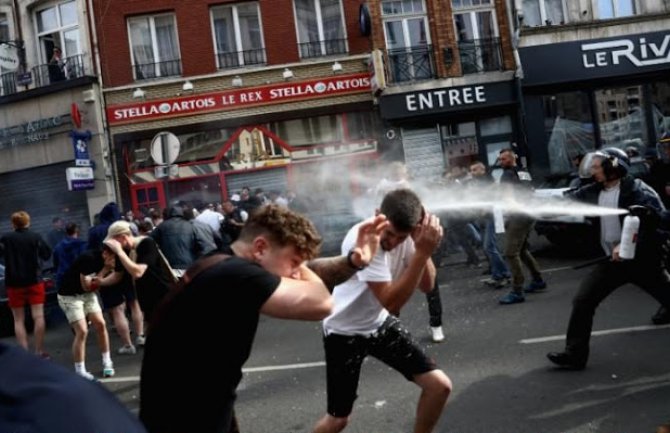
71, 67
7, 83
322, 48
411, 64
168, 68
241, 58
480, 55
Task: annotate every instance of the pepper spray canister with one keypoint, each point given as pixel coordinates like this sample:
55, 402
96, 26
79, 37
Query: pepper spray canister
631, 226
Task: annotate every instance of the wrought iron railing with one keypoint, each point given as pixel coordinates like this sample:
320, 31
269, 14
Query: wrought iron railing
7, 83
480, 55
322, 48
67, 69
237, 59
167, 68
411, 64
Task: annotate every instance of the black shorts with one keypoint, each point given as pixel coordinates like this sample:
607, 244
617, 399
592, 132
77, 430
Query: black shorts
392, 344
116, 295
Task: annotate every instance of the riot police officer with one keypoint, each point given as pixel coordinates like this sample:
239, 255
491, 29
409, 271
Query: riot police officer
613, 187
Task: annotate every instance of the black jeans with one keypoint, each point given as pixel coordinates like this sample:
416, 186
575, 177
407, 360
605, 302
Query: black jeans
598, 285
434, 305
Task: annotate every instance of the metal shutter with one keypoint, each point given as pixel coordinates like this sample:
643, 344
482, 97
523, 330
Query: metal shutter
268, 180
423, 152
43, 193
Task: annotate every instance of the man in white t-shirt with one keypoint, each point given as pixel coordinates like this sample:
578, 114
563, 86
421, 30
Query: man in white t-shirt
361, 324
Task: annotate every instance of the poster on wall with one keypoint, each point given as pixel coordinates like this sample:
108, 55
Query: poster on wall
80, 142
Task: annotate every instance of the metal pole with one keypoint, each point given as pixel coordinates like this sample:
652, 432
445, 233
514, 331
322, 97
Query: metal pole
166, 178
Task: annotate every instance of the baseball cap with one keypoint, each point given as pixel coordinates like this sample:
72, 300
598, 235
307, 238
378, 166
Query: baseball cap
118, 228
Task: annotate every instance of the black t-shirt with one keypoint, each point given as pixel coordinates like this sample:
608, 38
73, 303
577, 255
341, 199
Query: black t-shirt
186, 385
88, 262
154, 284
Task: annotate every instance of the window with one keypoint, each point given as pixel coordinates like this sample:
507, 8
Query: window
4, 27
309, 131
477, 35
237, 35
568, 129
58, 27
407, 40
615, 8
154, 47
621, 119
543, 12
320, 28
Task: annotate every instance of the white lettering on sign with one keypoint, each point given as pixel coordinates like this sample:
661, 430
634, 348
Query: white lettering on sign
445, 98
601, 54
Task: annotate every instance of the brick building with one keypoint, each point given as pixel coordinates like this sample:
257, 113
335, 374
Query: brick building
259, 94
451, 94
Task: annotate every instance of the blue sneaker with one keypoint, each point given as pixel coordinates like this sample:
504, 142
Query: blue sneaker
511, 298
535, 286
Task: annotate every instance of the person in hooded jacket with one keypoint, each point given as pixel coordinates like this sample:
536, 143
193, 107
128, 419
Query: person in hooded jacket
178, 239
96, 234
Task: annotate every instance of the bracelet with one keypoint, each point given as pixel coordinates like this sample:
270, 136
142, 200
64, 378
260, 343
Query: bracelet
351, 262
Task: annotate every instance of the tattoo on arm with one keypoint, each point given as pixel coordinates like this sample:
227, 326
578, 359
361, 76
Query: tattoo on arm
332, 270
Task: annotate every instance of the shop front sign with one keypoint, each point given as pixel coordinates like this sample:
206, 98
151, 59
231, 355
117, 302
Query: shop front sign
595, 59
445, 100
32, 132
239, 98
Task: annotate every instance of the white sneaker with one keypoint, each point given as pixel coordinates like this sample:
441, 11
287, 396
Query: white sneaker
85, 375
437, 334
108, 370
140, 340
127, 350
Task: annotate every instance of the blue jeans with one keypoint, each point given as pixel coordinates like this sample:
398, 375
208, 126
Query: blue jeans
499, 269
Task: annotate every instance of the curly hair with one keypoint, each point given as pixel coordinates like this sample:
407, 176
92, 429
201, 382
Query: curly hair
283, 227
403, 209
20, 219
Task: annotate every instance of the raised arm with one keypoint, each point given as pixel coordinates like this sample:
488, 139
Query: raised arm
304, 298
136, 270
393, 295
338, 269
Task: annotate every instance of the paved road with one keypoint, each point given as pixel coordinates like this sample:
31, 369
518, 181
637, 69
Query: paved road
501, 383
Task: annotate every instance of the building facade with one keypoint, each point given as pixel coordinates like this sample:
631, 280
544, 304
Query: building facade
596, 74
51, 124
451, 95
271, 94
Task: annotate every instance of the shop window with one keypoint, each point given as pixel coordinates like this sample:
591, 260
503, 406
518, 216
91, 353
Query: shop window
543, 12
621, 119
361, 125
4, 27
154, 46
407, 40
495, 126
477, 34
147, 198
459, 142
58, 26
615, 8
568, 129
197, 190
238, 35
320, 28
309, 131
660, 106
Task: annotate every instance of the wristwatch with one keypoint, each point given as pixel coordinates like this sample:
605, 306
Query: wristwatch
351, 262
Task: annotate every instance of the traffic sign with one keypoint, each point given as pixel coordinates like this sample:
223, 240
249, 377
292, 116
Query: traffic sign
165, 148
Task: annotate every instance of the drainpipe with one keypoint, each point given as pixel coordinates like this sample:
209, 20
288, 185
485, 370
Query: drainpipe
515, 14
108, 159
19, 38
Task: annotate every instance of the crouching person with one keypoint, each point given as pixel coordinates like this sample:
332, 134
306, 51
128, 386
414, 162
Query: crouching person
79, 302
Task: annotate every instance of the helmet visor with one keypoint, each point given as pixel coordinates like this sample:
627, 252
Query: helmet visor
586, 166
